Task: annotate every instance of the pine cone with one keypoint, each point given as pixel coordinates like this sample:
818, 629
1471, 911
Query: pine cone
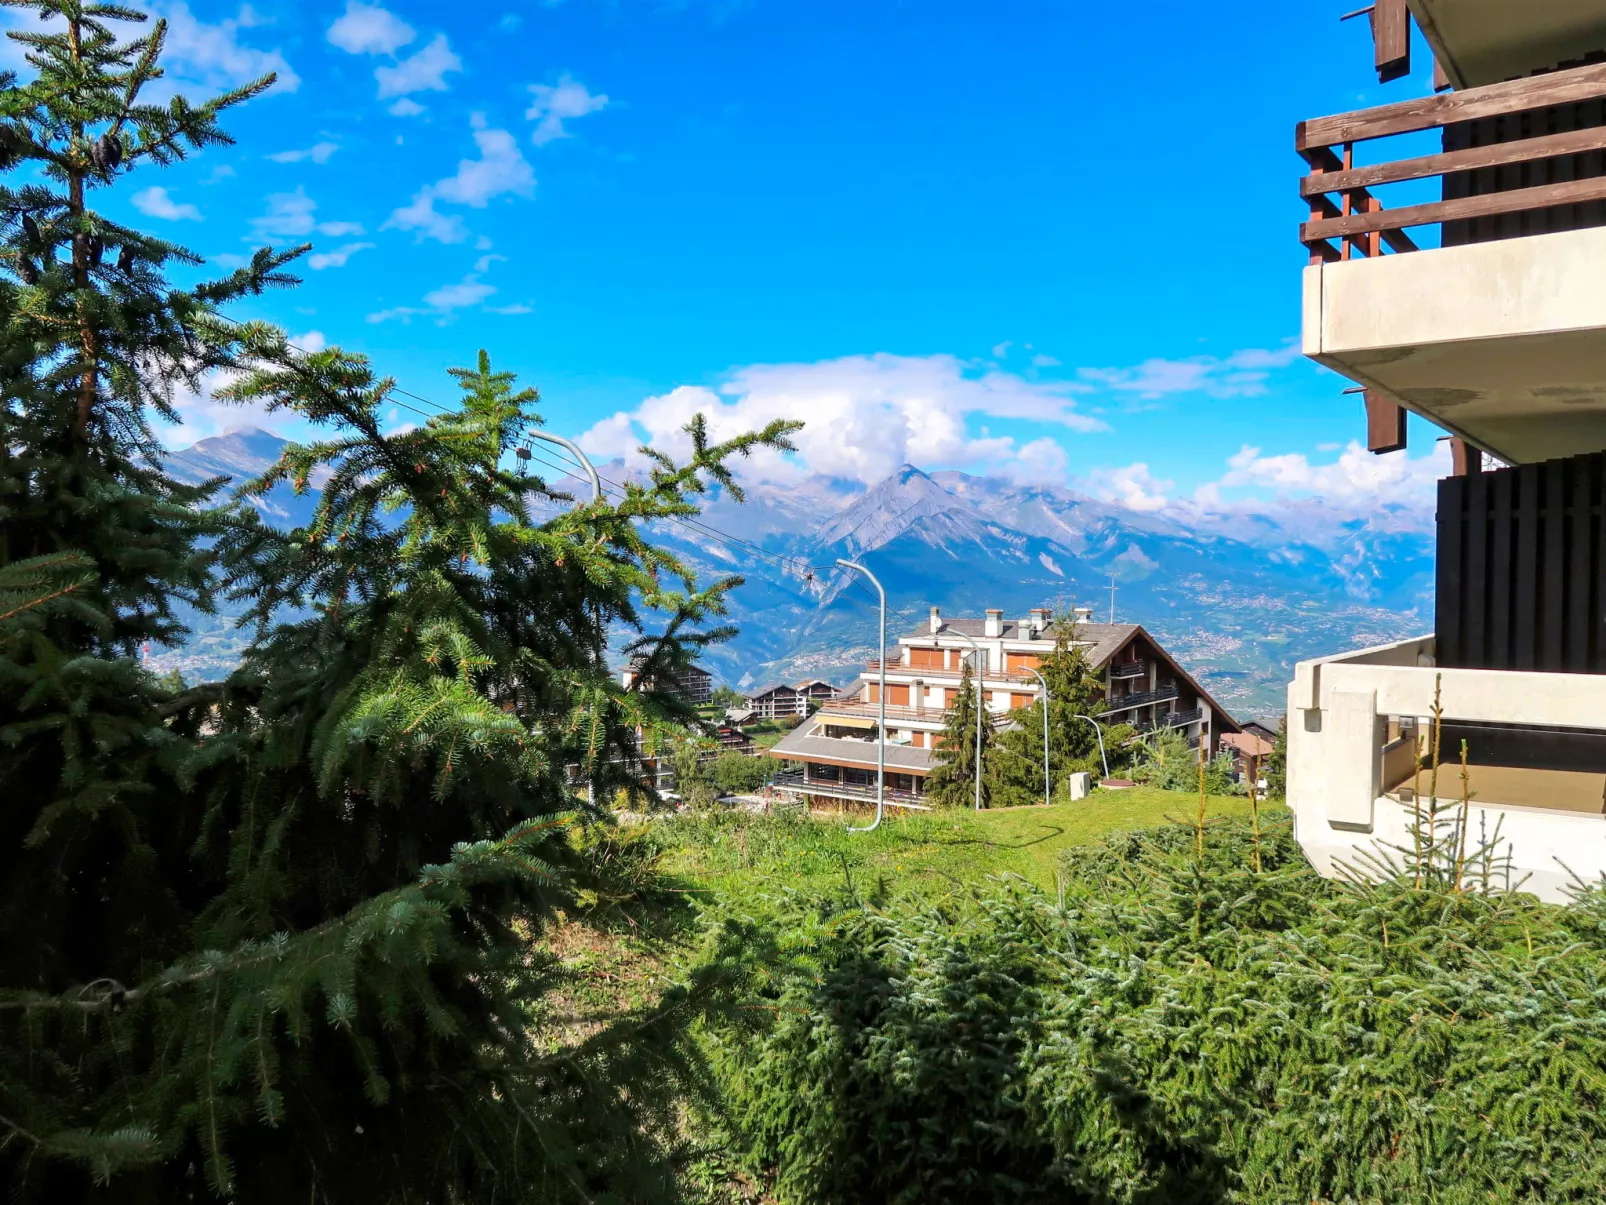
30, 229
26, 270
97, 248
125, 259
107, 152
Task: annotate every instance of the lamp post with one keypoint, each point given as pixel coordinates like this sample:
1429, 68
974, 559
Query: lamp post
881, 700
574, 450
1098, 732
981, 706
1047, 781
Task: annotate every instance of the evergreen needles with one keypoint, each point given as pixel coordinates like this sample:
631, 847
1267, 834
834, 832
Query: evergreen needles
279, 937
1167, 1035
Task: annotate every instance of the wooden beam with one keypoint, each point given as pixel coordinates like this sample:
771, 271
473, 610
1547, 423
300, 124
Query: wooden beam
1399, 242
1464, 458
1573, 142
1385, 425
1441, 78
1391, 39
1471, 104
1518, 200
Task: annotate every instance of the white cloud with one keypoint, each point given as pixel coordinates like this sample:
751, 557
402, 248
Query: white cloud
1356, 477
421, 72
318, 153
517, 308
439, 303
484, 262
1000, 350
468, 291
501, 170
289, 216
556, 103
337, 257
1042, 361
1242, 374
221, 172
154, 202
1041, 462
212, 56
865, 415
405, 106
369, 29
1132, 486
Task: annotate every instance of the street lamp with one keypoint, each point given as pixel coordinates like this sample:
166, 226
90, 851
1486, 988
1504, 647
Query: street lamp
574, 450
1047, 788
881, 699
981, 705
1098, 732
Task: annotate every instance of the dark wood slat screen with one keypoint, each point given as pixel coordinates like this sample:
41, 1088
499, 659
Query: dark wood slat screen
1522, 568
1563, 169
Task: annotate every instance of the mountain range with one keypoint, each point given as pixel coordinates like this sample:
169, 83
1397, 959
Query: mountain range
1238, 594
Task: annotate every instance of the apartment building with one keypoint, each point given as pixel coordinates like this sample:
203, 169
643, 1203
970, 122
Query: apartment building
776, 701
1482, 310
1143, 686
694, 684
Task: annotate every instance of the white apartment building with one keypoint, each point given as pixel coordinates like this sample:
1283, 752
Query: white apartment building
1482, 311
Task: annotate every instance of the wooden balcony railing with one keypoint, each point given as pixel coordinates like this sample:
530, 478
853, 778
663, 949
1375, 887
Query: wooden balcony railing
1143, 698
1132, 669
1547, 169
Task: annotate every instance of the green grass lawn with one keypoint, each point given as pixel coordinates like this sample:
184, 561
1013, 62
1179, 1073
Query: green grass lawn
928, 853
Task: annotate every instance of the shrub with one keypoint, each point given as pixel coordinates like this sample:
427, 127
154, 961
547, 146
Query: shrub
739, 774
1179, 1026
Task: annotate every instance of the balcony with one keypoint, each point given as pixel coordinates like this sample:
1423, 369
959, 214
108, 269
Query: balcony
1358, 728
1477, 42
1132, 669
895, 711
797, 783
1142, 698
1176, 719
1498, 333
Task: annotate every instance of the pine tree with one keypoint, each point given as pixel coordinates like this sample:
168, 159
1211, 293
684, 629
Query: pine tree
1015, 769
952, 782
277, 937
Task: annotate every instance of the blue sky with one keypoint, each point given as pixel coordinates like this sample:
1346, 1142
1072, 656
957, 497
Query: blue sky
1051, 240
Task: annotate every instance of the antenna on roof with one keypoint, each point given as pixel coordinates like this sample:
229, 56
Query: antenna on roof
1112, 598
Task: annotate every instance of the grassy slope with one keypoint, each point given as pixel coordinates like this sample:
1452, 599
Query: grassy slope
736, 853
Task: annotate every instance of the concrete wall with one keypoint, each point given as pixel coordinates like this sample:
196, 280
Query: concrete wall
1502, 342
1337, 732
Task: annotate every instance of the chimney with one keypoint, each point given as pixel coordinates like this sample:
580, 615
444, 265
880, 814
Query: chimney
1084, 614
994, 627
936, 620
1039, 620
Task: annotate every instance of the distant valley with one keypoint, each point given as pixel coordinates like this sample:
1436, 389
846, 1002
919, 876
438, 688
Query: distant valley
1239, 595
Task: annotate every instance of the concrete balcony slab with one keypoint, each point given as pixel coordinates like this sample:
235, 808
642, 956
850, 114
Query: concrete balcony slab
1501, 343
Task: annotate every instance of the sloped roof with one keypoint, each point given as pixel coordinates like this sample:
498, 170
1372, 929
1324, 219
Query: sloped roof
772, 688
1107, 640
